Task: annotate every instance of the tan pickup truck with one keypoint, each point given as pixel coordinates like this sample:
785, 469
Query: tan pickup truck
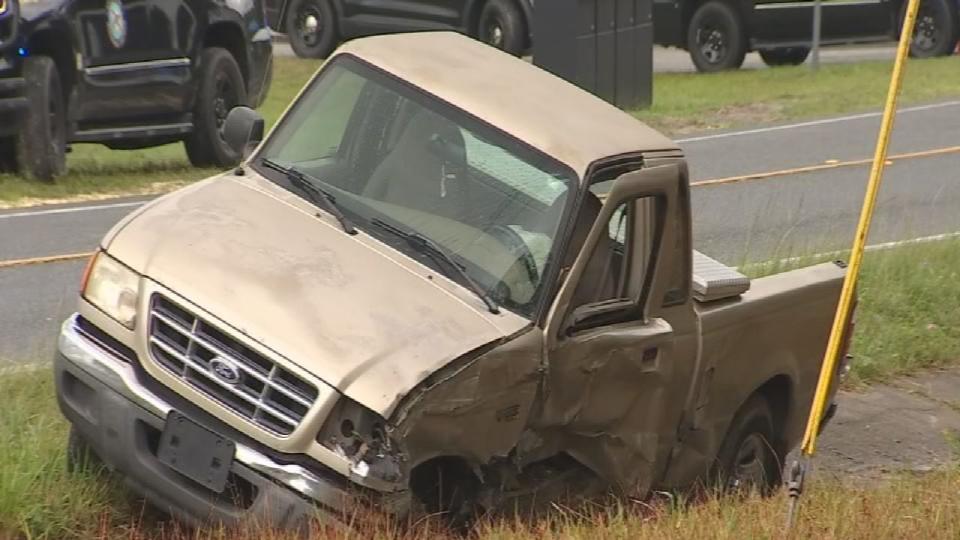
447, 281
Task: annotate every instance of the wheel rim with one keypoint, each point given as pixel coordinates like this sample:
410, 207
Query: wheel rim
309, 25
225, 98
712, 43
493, 32
749, 469
926, 35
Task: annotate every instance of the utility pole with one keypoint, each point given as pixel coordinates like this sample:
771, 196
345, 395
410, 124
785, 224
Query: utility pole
815, 59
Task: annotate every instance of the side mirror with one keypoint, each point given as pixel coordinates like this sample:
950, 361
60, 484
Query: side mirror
242, 130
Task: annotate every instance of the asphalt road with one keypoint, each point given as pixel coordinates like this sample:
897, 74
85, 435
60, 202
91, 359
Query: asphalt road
752, 220
676, 60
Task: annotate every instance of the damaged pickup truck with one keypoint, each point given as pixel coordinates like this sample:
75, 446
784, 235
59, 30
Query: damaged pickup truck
447, 281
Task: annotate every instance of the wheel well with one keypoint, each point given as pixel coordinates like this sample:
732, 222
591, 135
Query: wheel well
473, 21
229, 37
689, 8
48, 43
443, 483
777, 391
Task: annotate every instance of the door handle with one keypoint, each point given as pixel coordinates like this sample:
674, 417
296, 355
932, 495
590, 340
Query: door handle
648, 361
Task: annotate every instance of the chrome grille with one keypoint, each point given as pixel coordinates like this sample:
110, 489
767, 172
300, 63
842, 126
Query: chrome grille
262, 392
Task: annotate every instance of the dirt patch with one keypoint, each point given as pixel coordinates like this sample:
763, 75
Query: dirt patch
749, 114
908, 425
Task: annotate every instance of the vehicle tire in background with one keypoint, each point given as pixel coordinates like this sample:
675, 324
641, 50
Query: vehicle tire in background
311, 27
42, 142
786, 56
935, 32
80, 456
748, 457
501, 25
715, 37
221, 88
8, 155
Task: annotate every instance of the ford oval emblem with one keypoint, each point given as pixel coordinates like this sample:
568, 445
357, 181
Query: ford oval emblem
226, 371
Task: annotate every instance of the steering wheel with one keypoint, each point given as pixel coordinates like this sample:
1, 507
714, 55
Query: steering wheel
515, 244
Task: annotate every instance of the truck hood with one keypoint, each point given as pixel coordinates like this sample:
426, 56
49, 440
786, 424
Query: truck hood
354, 312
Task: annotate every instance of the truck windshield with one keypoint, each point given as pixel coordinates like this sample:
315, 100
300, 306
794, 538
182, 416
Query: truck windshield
389, 153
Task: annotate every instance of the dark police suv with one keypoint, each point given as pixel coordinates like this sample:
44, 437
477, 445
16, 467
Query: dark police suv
126, 73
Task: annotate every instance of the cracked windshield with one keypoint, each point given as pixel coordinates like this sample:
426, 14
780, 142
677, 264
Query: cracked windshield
425, 177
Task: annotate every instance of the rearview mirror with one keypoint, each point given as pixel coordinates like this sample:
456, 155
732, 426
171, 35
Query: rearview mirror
242, 130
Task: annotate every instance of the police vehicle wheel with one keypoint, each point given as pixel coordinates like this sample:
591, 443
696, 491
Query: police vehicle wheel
715, 38
786, 56
935, 32
221, 88
748, 458
80, 456
501, 25
42, 141
311, 26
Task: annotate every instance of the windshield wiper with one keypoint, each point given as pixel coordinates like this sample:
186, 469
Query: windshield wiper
307, 185
426, 246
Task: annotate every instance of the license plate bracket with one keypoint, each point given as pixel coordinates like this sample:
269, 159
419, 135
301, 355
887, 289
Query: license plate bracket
196, 452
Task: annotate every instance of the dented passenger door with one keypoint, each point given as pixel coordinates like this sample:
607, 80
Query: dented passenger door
610, 362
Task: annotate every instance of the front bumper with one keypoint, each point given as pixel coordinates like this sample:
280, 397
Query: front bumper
99, 393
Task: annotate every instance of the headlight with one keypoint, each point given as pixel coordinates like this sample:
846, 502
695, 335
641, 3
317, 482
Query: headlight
112, 287
360, 435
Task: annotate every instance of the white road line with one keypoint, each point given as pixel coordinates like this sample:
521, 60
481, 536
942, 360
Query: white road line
825, 121
71, 210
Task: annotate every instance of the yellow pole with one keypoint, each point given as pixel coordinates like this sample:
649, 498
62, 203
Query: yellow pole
828, 369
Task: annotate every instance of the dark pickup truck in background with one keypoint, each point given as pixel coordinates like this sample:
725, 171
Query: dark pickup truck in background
127, 75
718, 33
316, 27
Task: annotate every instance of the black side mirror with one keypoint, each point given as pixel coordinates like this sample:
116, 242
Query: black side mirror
242, 130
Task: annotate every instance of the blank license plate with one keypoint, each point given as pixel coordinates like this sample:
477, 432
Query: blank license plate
196, 452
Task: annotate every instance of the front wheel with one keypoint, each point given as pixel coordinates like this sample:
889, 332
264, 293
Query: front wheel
311, 26
748, 458
715, 38
501, 25
42, 142
788, 56
935, 32
221, 88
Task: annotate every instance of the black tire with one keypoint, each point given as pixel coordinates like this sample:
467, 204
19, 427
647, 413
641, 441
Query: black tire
221, 87
311, 27
935, 32
749, 457
788, 56
501, 25
715, 37
8, 155
42, 142
80, 456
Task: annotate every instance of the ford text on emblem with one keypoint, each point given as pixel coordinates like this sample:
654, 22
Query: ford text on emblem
226, 371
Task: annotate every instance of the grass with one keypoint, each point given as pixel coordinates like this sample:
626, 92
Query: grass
683, 103
39, 500
688, 102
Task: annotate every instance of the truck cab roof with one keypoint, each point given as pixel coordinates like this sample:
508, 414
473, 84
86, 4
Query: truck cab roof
544, 111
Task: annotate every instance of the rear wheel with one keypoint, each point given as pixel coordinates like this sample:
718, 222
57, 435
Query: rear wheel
935, 32
42, 141
311, 26
748, 458
715, 37
221, 88
788, 56
501, 25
